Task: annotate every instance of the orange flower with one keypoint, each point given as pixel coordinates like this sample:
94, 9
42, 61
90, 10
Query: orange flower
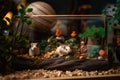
102, 53
58, 32
73, 34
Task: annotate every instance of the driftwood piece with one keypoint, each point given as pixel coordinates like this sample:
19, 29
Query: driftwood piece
59, 64
87, 65
66, 65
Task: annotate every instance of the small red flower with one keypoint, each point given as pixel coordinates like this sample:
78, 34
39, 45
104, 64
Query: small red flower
73, 34
58, 32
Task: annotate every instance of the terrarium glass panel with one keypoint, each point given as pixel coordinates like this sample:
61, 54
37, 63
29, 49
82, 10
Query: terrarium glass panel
81, 37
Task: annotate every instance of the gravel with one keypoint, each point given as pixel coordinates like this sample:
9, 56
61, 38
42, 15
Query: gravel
42, 73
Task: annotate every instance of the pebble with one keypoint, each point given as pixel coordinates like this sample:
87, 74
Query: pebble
41, 73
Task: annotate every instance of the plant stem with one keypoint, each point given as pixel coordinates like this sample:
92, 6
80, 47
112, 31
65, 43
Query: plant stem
15, 35
21, 29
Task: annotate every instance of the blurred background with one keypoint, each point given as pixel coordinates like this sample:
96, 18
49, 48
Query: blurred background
60, 6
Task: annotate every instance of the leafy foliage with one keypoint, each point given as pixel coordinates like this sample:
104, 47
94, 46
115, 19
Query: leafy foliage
20, 39
42, 46
71, 41
52, 38
116, 18
6, 33
93, 32
93, 52
23, 11
23, 42
9, 40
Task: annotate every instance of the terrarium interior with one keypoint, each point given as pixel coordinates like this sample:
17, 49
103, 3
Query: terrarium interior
69, 36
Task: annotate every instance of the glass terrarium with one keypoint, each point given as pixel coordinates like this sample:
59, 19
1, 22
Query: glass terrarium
68, 36
38, 45
66, 46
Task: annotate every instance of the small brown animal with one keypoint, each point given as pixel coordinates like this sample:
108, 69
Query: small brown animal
34, 50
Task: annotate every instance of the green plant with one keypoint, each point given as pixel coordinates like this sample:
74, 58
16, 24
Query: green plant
23, 42
93, 52
113, 21
116, 19
71, 41
23, 16
52, 38
23, 19
6, 37
42, 46
93, 31
10, 39
20, 40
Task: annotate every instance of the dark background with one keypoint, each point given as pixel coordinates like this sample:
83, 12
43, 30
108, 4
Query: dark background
71, 6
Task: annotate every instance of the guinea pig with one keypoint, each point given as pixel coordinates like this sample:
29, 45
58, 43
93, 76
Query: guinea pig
63, 50
34, 50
